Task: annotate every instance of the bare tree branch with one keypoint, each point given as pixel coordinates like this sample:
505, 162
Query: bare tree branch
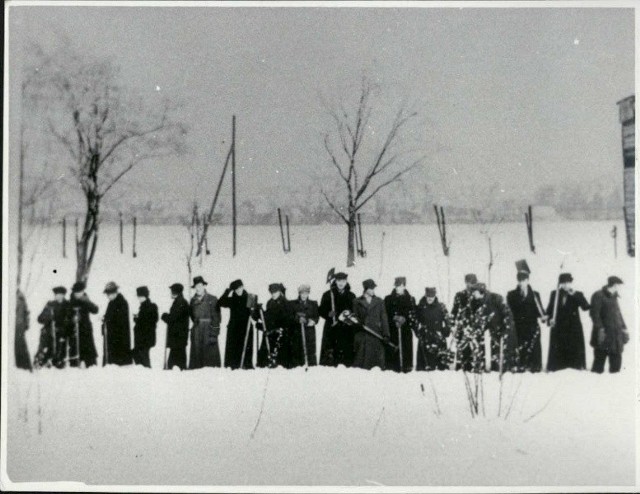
393, 179
334, 207
333, 159
399, 121
63, 140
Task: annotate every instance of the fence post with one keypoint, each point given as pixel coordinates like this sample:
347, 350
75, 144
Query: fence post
64, 237
121, 241
135, 227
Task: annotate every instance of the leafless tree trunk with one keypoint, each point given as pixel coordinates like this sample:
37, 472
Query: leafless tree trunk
360, 183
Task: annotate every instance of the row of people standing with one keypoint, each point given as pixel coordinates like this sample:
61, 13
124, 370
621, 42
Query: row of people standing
363, 332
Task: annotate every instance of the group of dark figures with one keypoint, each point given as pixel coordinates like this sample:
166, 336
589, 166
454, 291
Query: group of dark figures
363, 332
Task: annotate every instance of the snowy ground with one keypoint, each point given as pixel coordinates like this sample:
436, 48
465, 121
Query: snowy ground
326, 426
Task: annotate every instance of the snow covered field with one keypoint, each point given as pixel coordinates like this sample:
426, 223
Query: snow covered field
326, 426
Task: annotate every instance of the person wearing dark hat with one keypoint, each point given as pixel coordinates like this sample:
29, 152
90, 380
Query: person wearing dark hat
278, 320
489, 312
177, 320
370, 311
609, 334
116, 328
566, 339
434, 327
337, 336
56, 321
526, 307
400, 306
144, 328
82, 347
305, 312
238, 301
205, 314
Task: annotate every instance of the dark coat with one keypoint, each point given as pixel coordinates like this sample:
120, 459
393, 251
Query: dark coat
304, 313
205, 314
118, 332
493, 314
177, 323
144, 329
607, 319
461, 309
55, 316
404, 306
81, 308
526, 310
279, 320
337, 340
21, 350
434, 326
237, 329
369, 350
566, 341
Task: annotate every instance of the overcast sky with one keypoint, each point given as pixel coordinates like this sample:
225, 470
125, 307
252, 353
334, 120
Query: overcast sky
514, 96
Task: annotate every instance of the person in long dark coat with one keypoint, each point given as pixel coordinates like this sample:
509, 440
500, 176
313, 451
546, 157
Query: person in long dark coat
461, 308
21, 350
609, 334
238, 301
461, 319
116, 328
56, 321
433, 329
205, 314
144, 328
526, 307
400, 306
566, 342
277, 330
82, 347
337, 336
491, 313
177, 320
306, 317
370, 311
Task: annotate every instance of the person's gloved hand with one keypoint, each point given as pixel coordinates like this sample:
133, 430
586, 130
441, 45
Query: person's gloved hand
311, 323
625, 336
601, 336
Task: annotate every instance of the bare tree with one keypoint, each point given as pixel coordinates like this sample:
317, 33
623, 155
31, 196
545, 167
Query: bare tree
362, 181
106, 132
488, 225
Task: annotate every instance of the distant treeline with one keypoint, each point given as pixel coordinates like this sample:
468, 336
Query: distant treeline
593, 200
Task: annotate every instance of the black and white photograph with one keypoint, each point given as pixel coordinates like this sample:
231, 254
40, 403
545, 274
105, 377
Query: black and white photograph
319, 247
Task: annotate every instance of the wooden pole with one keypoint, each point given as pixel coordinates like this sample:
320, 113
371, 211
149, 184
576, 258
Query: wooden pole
215, 200
121, 241
135, 228
284, 249
528, 216
204, 234
233, 184
76, 231
361, 250
64, 237
614, 234
288, 236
